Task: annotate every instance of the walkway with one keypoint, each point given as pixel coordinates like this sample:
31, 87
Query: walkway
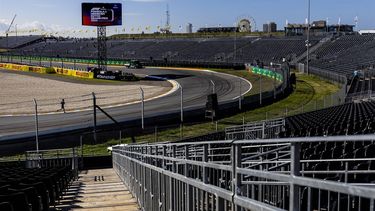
98, 190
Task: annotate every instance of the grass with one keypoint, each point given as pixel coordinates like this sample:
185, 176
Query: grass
309, 89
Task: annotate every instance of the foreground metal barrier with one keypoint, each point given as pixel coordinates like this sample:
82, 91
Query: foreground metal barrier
241, 175
55, 158
265, 129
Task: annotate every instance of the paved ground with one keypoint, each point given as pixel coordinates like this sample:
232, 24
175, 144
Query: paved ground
98, 190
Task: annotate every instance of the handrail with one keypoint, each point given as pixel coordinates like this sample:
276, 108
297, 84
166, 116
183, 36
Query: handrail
148, 170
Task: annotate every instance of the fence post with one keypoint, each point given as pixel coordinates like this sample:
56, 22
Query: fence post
171, 186
156, 134
263, 130
189, 189
294, 171
181, 131
240, 97
205, 176
142, 107
260, 89
94, 113
36, 127
236, 180
182, 105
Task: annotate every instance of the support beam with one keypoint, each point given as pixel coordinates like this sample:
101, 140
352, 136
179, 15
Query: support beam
102, 48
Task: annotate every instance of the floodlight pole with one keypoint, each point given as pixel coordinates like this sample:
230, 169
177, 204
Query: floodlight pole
182, 112
235, 43
36, 126
182, 104
308, 38
142, 107
260, 89
240, 98
94, 113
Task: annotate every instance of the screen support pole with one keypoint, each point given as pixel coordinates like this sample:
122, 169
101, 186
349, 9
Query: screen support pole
102, 48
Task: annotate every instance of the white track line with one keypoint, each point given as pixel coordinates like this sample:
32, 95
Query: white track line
214, 72
250, 84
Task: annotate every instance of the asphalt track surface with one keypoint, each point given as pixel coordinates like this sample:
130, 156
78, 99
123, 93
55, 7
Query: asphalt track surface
196, 86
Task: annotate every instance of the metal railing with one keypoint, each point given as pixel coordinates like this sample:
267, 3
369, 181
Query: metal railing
256, 130
54, 158
364, 95
238, 175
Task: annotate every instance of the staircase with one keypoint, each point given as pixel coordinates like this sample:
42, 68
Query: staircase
312, 50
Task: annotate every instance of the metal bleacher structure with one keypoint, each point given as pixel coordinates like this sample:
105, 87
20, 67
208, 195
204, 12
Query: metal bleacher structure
319, 160
257, 169
39, 182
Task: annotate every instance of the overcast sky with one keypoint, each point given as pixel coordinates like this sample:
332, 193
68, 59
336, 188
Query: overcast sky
65, 15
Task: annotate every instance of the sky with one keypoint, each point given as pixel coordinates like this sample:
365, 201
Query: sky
64, 16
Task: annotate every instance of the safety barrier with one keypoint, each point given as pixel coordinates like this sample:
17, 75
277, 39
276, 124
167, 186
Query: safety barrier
48, 70
265, 72
71, 60
14, 67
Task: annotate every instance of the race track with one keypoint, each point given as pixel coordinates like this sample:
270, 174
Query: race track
196, 86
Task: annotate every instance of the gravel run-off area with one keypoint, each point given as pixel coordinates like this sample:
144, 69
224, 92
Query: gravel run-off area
17, 92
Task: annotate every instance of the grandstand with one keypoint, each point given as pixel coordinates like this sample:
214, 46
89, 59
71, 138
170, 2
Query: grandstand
345, 54
19, 41
342, 54
37, 187
238, 50
347, 119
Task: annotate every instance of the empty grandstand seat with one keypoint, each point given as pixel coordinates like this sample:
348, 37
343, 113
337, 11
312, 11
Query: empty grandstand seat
6, 206
32, 195
18, 200
42, 191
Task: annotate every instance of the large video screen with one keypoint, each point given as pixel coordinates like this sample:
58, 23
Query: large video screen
101, 14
